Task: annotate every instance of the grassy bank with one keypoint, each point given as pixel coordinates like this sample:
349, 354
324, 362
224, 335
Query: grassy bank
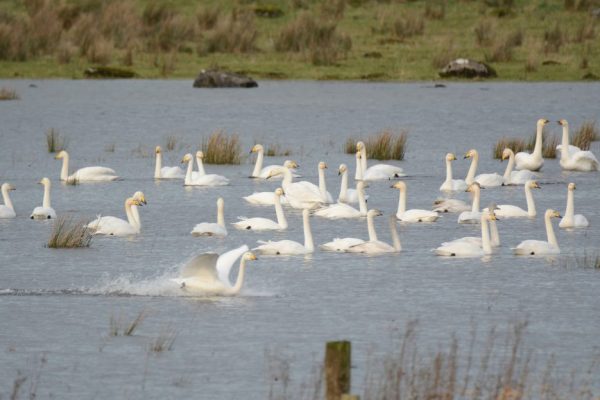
300, 39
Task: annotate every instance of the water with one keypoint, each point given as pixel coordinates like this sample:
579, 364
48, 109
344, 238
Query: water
59, 302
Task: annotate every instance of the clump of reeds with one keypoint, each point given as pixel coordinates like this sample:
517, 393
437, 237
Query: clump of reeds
171, 142
484, 31
549, 144
501, 51
9, 94
350, 146
69, 232
164, 341
54, 141
117, 327
275, 150
585, 135
222, 148
445, 53
384, 145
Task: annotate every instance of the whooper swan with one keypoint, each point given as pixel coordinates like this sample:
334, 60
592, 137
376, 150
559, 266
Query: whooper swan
45, 211
325, 195
342, 210
473, 216
343, 244
572, 220
161, 172
510, 211
572, 158
87, 174
511, 177
204, 180
484, 180
533, 161
7, 210
375, 246
452, 185
413, 215
378, 171
493, 228
467, 248
259, 171
211, 228
113, 226
348, 196
265, 224
540, 247
289, 247
301, 194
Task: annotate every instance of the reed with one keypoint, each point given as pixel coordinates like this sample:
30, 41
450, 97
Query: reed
171, 142
9, 94
69, 232
164, 341
55, 142
350, 146
518, 145
117, 327
585, 135
386, 145
222, 148
275, 150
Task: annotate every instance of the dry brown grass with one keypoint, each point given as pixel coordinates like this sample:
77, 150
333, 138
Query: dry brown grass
8, 94
446, 52
384, 145
585, 135
484, 31
164, 341
276, 150
500, 51
55, 142
435, 9
222, 148
118, 327
69, 233
585, 31
171, 142
408, 25
235, 33
549, 144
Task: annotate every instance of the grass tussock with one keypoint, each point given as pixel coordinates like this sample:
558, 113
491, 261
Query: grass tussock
164, 341
435, 9
118, 327
549, 144
69, 232
9, 94
384, 145
585, 135
408, 25
554, 39
235, 33
55, 142
484, 31
275, 150
222, 148
171, 142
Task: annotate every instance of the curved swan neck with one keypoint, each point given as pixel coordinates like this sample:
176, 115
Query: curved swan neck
259, 162
188, 174
476, 198
287, 177
343, 197
485, 235
359, 169
362, 202
530, 203
509, 167
281, 220
6, 197
537, 150
371, 228
240, 278
564, 150
64, 172
136, 217
220, 215
130, 215
46, 201
570, 210
308, 239
158, 166
395, 238
402, 202
363, 159
200, 163
322, 185
550, 231
472, 169
448, 171
495, 237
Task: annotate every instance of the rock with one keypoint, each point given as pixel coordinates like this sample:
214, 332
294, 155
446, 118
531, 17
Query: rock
465, 68
219, 79
108, 72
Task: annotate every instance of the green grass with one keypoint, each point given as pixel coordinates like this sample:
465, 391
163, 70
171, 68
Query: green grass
370, 26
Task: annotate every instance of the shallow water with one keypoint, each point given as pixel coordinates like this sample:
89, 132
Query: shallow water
59, 302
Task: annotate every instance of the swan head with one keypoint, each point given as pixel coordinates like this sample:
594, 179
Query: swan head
506, 153
200, 154
133, 202
473, 187
571, 186
450, 157
186, 158
374, 213
291, 164
256, 148
157, 150
491, 216
322, 165
358, 155
7, 186
279, 192
542, 122
139, 196
220, 202
533, 184
552, 214
471, 154
563, 122
342, 168
399, 185
249, 256
44, 181
61, 154
360, 146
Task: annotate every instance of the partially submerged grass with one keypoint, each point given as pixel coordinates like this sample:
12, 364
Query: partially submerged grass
275, 150
171, 142
55, 142
110, 147
585, 135
164, 341
9, 94
117, 327
549, 144
69, 232
589, 259
384, 145
222, 148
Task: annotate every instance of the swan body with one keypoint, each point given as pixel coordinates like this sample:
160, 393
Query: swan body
511, 177
413, 215
7, 210
348, 196
450, 184
473, 216
375, 246
259, 171
45, 211
570, 219
113, 226
203, 180
477, 240
265, 224
450, 206
466, 247
378, 171
87, 174
540, 247
484, 180
212, 228
208, 273
342, 210
161, 172
533, 161
301, 194
289, 247
343, 244
263, 199
571, 157
510, 211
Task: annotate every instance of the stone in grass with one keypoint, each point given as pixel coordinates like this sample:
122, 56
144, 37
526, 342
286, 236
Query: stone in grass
109, 73
222, 79
465, 68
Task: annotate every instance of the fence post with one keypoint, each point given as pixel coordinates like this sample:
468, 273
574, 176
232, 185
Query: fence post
337, 369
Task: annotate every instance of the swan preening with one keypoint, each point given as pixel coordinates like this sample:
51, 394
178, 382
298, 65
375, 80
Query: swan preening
375, 172
201, 180
375, 246
290, 247
113, 226
45, 211
469, 248
342, 210
265, 224
533, 161
161, 172
510, 211
540, 247
511, 177
413, 215
208, 273
211, 228
572, 158
343, 244
570, 219
87, 174
450, 184
264, 173
484, 180
7, 210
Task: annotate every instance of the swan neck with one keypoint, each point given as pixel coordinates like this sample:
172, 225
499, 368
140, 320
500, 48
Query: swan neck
240, 278
495, 237
281, 220
259, 163
537, 150
188, 174
135, 214
158, 166
395, 237
287, 177
472, 169
362, 202
530, 202
308, 239
371, 229
564, 150
476, 199
6, 197
200, 166
359, 169
130, 217
322, 185
363, 159
485, 235
402, 202
509, 168
570, 210
64, 172
448, 171
220, 216
46, 201
343, 197
550, 231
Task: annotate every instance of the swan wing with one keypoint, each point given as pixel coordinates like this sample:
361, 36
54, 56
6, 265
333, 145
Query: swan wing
203, 267
338, 244
450, 205
508, 210
580, 221
584, 156
459, 249
95, 174
383, 171
256, 224
535, 247
416, 215
209, 229
337, 211
489, 180
226, 261
112, 226
469, 217
371, 247
571, 149
263, 198
171, 173
520, 177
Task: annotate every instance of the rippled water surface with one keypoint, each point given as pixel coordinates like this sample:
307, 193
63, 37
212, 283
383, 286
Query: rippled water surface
59, 302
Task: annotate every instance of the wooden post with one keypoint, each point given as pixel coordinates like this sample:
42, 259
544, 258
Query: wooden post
337, 369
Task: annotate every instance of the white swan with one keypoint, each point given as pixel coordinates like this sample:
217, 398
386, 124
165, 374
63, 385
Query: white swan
378, 171
204, 180
265, 224
346, 195
342, 210
87, 174
450, 206
473, 216
266, 198
375, 246
325, 195
484, 180
539, 247
511, 177
211, 228
208, 273
113, 226
572, 220
510, 211
493, 229
413, 215
342, 244
572, 158
301, 194
467, 248
161, 172
263, 173
7, 210
289, 247
533, 161
45, 211
452, 185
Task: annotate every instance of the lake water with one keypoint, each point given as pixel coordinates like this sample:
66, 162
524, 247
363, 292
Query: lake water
59, 302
